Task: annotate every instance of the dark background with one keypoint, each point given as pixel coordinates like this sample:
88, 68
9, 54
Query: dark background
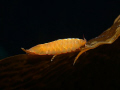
28, 23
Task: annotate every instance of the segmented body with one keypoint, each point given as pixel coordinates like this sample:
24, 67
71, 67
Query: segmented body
57, 47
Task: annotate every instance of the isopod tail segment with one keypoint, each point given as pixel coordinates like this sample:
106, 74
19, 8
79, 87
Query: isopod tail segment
32, 53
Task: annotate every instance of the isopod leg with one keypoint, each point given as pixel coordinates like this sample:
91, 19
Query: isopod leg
76, 58
53, 57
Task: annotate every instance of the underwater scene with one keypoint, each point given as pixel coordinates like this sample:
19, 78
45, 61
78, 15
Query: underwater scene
60, 45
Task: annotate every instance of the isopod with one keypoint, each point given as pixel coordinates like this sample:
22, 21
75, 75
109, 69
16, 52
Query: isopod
57, 47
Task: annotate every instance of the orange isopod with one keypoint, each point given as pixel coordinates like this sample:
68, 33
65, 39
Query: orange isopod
57, 47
